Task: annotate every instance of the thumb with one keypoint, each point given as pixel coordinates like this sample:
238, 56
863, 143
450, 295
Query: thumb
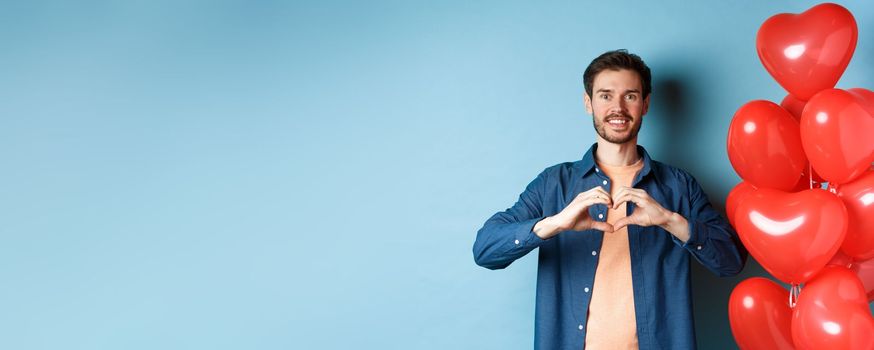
622, 222
602, 226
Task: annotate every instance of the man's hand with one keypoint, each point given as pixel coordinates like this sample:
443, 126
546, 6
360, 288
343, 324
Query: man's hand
576, 215
648, 212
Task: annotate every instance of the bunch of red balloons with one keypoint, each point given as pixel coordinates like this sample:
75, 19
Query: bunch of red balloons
805, 207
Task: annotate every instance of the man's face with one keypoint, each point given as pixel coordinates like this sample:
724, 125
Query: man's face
617, 105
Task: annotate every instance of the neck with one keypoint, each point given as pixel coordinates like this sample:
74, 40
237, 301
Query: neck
617, 154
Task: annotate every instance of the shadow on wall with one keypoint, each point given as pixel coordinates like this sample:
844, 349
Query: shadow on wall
677, 140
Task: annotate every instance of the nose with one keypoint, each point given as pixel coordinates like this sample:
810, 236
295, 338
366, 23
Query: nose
620, 105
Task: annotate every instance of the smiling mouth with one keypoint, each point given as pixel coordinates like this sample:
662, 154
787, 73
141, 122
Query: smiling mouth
618, 122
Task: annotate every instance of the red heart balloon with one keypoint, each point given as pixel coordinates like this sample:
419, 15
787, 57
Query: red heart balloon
836, 129
793, 105
808, 52
865, 271
805, 180
858, 197
832, 313
764, 146
840, 259
866, 97
793, 235
759, 314
804, 183
735, 196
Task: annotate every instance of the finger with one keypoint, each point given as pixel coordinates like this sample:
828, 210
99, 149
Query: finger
592, 195
623, 198
596, 192
640, 191
602, 226
641, 194
621, 191
642, 200
579, 206
601, 190
636, 191
592, 201
606, 196
617, 200
630, 197
622, 222
600, 194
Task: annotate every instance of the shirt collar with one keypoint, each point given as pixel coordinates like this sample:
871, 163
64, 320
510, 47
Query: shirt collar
587, 164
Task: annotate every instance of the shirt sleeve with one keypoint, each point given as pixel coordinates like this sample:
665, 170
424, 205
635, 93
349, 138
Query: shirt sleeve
712, 240
508, 235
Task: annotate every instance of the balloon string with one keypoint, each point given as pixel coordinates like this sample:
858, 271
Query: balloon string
810, 175
793, 294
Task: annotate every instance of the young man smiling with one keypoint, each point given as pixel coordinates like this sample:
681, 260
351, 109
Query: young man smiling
616, 230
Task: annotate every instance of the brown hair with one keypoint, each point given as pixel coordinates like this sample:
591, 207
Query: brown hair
616, 60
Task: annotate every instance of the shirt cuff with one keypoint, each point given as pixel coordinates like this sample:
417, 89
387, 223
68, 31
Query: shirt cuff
524, 237
697, 238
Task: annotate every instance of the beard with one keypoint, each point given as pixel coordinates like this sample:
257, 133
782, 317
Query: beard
601, 128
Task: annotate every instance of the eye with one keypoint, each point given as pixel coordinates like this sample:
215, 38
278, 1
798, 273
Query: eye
631, 97
605, 96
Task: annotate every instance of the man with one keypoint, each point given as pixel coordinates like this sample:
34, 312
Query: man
615, 230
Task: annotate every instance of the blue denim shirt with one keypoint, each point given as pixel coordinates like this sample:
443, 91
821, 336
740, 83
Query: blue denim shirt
660, 267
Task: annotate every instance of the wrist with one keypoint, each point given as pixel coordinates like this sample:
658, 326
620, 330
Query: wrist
670, 220
546, 228
677, 225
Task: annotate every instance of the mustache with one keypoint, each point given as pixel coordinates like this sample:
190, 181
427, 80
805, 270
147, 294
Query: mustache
620, 114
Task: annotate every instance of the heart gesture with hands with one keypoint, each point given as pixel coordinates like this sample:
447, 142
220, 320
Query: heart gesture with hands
575, 216
647, 212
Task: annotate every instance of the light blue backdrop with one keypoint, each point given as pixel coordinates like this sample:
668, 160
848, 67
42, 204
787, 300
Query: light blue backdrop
283, 175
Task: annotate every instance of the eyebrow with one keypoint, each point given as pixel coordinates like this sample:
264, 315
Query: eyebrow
626, 91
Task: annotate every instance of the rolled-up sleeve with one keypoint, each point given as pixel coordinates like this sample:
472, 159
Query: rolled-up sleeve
508, 235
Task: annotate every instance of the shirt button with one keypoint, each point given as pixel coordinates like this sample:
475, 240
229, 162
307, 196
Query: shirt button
699, 247
605, 182
517, 242
586, 289
581, 327
600, 216
594, 253
597, 170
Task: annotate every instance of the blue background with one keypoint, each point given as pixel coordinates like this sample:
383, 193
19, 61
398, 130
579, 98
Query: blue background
278, 175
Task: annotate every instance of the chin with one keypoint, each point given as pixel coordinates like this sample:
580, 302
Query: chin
621, 139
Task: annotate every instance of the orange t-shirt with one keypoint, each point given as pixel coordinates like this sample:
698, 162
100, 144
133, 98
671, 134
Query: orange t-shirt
611, 323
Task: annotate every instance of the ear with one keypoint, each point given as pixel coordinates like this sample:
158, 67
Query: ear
645, 105
588, 102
